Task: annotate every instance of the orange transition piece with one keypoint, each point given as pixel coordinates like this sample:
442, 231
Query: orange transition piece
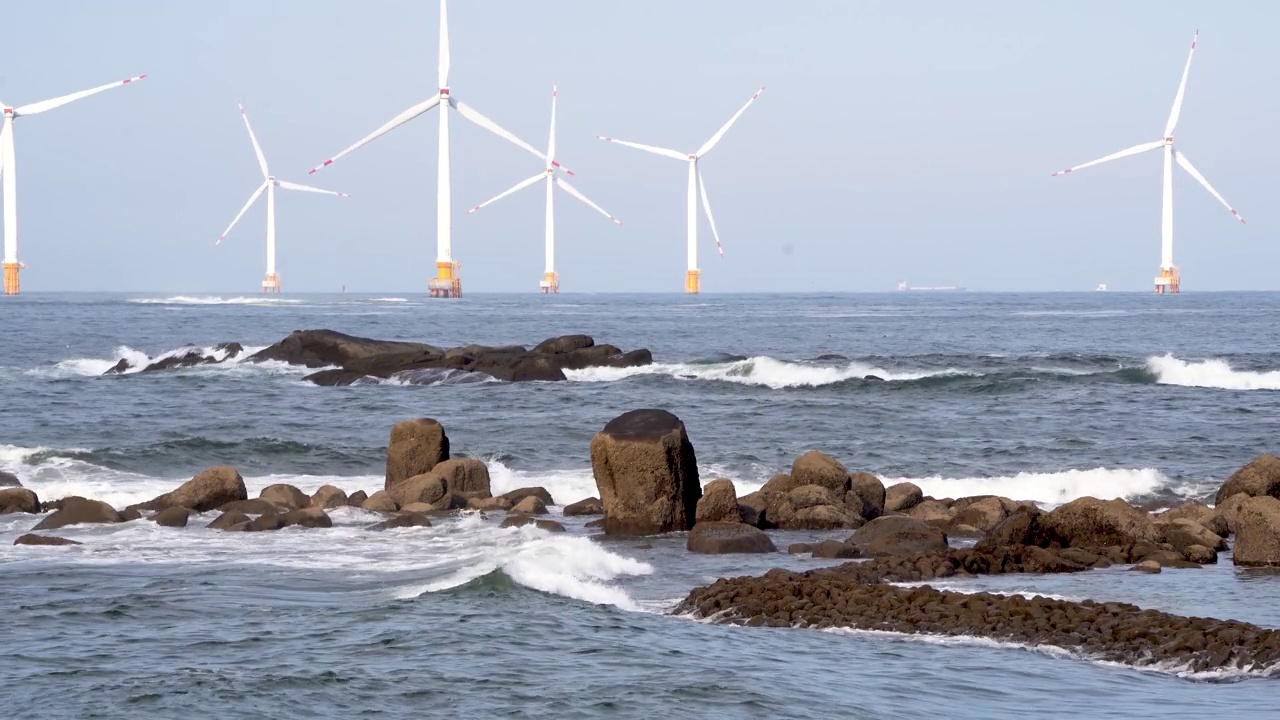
550, 283
691, 282
272, 283
448, 281
11, 278
1169, 282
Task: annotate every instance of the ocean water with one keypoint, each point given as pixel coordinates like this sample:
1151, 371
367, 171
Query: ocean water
1037, 397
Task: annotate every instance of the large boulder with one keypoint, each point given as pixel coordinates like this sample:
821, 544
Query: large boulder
934, 512
465, 475
719, 503
834, 549
328, 497
647, 473
719, 538
172, 517
209, 490
982, 513
780, 483
1199, 513
1183, 533
564, 344
519, 494
898, 535
1092, 522
1229, 510
586, 506
818, 468
318, 348
15, 500
1260, 477
754, 509
286, 496
811, 507
256, 506
78, 510
426, 488
357, 498
310, 517
1022, 527
380, 501
866, 495
30, 539
230, 519
530, 505
902, 496
1258, 532
415, 448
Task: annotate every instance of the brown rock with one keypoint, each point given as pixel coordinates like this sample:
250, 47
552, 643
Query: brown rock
172, 517
1020, 528
869, 493
257, 506
402, 520
228, 520
1183, 533
130, 513
1258, 532
522, 520
209, 490
934, 512
427, 488
835, 549
306, 517
752, 509
1147, 566
357, 498
647, 473
898, 535
818, 468
464, 475
963, 530
530, 505
1229, 510
30, 539
586, 506
799, 549
418, 507
78, 510
380, 501
781, 483
453, 501
329, 497
1198, 512
516, 496
1200, 554
284, 495
1260, 477
8, 479
15, 500
902, 497
719, 502
489, 503
719, 538
981, 513
1091, 522
416, 446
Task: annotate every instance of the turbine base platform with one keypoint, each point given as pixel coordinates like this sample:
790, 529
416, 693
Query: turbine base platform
1169, 282
692, 281
550, 283
448, 281
272, 283
11, 278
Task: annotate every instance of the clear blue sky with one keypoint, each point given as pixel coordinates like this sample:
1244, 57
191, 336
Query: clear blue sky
896, 141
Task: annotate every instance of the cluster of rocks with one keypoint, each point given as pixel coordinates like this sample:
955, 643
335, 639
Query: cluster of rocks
352, 359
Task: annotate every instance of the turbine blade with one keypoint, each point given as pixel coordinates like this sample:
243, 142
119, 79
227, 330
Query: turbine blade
1186, 165
1144, 147
257, 149
392, 124
44, 105
252, 199
649, 148
551, 142
474, 116
706, 208
570, 189
1182, 89
706, 148
307, 188
443, 67
518, 187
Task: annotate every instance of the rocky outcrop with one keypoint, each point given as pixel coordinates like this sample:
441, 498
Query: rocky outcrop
866, 496
1023, 527
818, 468
305, 518
401, 520
934, 512
1091, 522
530, 505
647, 474
209, 490
172, 517
811, 507
898, 535
320, 348
1258, 532
1260, 477
1183, 533
982, 513
18, 500
380, 501
464, 475
902, 497
426, 488
834, 549
1197, 512
415, 448
286, 496
719, 538
1229, 510
78, 510
30, 539
586, 506
719, 503
328, 497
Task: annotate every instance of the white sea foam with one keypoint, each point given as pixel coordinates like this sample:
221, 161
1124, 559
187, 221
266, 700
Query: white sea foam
213, 300
1169, 370
390, 300
1052, 488
138, 360
762, 371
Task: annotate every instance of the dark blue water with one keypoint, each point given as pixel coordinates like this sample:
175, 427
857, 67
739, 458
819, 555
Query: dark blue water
1042, 397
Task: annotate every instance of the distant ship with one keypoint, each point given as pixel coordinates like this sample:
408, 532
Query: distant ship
1102, 287
941, 288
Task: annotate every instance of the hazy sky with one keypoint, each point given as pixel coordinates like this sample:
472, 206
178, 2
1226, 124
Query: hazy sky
896, 141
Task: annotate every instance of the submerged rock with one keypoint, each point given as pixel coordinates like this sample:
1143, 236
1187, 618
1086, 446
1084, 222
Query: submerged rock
515, 496
522, 520
647, 474
30, 539
172, 517
586, 506
78, 510
402, 520
9, 480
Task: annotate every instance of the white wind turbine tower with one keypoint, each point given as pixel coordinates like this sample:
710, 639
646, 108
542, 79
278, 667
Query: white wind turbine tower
447, 282
696, 186
269, 183
9, 175
550, 280
1169, 280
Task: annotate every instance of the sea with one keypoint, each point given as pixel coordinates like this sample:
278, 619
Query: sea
1043, 397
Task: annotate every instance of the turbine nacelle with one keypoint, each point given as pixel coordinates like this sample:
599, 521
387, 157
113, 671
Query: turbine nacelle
1168, 140
444, 92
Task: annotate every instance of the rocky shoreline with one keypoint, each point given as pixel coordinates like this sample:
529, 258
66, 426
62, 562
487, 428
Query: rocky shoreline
645, 468
348, 360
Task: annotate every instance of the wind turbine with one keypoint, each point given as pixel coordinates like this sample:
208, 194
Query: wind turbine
447, 282
696, 186
1169, 280
9, 175
550, 280
269, 184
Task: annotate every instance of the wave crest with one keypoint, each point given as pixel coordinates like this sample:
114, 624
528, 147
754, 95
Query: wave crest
1212, 373
1051, 488
764, 371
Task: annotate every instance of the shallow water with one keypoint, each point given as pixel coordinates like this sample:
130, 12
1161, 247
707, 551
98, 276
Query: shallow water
1042, 397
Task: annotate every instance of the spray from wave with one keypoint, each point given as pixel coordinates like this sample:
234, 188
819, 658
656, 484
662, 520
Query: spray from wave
138, 361
763, 371
189, 300
1169, 370
1053, 488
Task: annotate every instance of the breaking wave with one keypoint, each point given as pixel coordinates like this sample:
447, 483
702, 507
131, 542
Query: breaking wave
1213, 373
1053, 488
138, 361
213, 300
764, 371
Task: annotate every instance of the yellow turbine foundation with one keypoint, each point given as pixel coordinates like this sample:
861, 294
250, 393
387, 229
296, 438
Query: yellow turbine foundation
550, 283
272, 283
1169, 282
11, 278
448, 281
691, 281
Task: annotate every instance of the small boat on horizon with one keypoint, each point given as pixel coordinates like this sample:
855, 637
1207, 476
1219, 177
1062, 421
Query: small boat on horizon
939, 288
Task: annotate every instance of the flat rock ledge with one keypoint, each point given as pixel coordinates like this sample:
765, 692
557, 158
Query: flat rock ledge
855, 595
